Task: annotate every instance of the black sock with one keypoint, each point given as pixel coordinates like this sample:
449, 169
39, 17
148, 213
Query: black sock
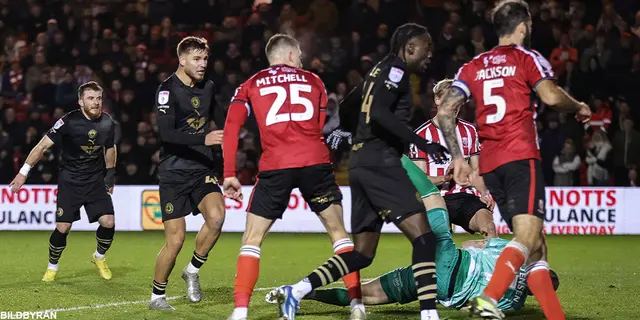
424, 270
198, 260
159, 288
337, 267
104, 236
57, 243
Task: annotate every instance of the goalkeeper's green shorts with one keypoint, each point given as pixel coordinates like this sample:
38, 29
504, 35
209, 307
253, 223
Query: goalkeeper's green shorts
419, 179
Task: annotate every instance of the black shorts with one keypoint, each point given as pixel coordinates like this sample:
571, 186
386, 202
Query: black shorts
93, 196
272, 190
462, 207
381, 194
182, 191
518, 188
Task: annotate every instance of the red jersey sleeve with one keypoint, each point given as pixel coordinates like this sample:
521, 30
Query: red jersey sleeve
475, 147
323, 101
238, 112
537, 68
414, 152
463, 79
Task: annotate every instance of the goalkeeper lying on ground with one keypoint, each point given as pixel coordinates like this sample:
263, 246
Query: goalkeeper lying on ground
462, 273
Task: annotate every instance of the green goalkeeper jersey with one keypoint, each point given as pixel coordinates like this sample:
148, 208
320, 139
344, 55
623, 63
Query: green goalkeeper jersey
479, 269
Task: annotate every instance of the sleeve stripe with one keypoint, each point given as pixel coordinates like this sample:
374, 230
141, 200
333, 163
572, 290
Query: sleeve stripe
462, 86
543, 71
248, 109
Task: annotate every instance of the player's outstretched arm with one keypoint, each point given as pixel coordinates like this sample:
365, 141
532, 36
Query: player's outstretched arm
451, 103
34, 156
380, 113
349, 109
560, 100
238, 114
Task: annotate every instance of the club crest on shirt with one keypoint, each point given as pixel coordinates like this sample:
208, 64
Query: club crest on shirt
195, 102
465, 142
92, 134
163, 97
396, 74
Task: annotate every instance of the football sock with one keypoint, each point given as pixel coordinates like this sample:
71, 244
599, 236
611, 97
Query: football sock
507, 266
158, 289
335, 268
247, 270
104, 236
351, 280
539, 282
196, 263
57, 243
424, 272
334, 296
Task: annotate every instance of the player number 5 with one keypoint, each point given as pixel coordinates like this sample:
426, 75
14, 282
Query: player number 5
491, 99
281, 97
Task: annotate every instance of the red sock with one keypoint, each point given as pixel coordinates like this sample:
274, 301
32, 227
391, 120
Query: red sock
247, 271
507, 266
351, 280
539, 282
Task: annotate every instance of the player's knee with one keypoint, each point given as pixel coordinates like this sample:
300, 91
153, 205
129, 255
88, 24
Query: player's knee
360, 261
107, 221
425, 239
215, 221
63, 227
175, 242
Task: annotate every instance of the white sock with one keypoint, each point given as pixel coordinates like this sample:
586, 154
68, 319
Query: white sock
52, 266
301, 289
429, 315
357, 303
98, 256
192, 269
157, 296
239, 313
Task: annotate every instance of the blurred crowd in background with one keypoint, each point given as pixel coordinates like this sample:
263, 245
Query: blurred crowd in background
48, 48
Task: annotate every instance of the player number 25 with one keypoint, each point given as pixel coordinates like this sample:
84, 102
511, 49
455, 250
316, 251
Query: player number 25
274, 117
492, 99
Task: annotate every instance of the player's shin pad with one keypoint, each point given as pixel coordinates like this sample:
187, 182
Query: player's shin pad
424, 270
419, 179
337, 267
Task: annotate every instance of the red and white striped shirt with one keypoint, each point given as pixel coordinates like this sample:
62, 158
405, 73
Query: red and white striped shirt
469, 143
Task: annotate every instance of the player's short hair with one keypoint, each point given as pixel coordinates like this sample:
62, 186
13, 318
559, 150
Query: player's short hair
441, 87
404, 33
278, 41
508, 14
190, 43
91, 85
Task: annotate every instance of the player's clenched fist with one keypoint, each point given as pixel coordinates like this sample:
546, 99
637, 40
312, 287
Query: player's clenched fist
232, 188
17, 182
584, 113
213, 138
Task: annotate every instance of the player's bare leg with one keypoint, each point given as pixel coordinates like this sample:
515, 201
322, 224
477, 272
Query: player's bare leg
482, 222
416, 229
248, 265
104, 237
333, 222
57, 243
212, 208
174, 231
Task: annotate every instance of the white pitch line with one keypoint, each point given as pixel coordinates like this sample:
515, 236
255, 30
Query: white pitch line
125, 303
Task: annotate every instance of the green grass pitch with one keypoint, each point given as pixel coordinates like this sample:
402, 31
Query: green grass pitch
599, 277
